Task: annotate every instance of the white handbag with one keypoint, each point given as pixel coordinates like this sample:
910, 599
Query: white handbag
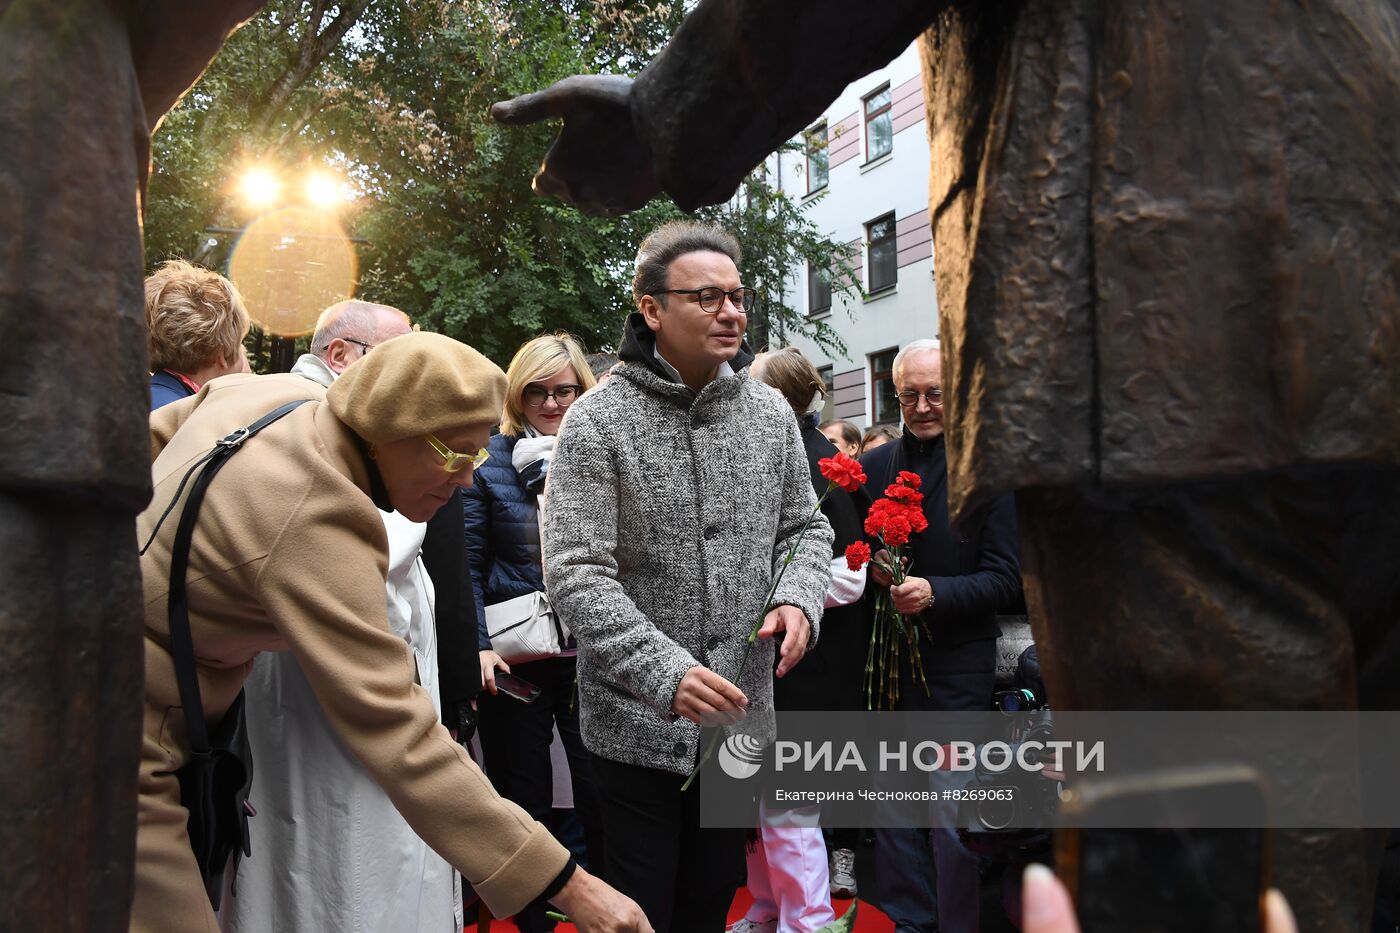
526, 628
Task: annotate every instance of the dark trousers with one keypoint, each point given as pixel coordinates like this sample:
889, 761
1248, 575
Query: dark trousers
684, 877
1263, 592
925, 881
515, 739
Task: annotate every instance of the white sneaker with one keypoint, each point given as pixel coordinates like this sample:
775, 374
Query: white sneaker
753, 926
843, 873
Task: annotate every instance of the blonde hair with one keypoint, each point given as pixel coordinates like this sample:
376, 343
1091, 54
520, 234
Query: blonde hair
536, 361
193, 318
792, 374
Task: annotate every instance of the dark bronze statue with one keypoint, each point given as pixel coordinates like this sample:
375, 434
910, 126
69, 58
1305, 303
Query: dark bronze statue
1169, 296
82, 83
1170, 306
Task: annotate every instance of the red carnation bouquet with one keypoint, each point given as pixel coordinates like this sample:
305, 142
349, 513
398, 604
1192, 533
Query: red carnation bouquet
892, 520
841, 472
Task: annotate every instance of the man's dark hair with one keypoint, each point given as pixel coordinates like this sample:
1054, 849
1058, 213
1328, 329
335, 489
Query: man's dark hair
671, 241
600, 363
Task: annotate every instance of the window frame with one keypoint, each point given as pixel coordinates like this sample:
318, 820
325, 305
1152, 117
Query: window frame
807, 150
813, 274
876, 377
828, 377
867, 118
870, 244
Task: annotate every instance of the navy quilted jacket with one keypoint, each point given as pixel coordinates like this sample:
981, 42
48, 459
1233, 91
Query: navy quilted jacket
503, 533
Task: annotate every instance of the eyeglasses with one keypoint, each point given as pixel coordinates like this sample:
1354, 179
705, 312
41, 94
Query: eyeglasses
454, 462
909, 398
563, 396
712, 297
365, 347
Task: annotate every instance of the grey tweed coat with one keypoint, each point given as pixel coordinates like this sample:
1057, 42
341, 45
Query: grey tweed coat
668, 513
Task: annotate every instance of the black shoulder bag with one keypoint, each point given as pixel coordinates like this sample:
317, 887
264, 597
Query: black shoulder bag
214, 783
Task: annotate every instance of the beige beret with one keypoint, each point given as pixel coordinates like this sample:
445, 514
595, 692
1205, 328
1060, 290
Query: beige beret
417, 384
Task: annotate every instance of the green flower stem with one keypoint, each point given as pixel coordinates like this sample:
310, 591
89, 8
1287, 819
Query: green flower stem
753, 632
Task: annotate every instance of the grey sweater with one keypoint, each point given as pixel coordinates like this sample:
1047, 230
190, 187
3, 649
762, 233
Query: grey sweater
669, 512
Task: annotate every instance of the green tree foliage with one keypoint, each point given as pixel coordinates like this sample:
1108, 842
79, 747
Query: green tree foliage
394, 95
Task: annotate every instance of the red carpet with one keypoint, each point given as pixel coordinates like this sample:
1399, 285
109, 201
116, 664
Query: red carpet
868, 919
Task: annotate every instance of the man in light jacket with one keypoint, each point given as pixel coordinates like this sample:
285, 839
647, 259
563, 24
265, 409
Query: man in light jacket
676, 490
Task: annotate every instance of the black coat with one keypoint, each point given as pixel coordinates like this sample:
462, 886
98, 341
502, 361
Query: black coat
830, 676
454, 608
975, 568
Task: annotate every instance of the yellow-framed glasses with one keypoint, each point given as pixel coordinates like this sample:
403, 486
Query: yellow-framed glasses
453, 462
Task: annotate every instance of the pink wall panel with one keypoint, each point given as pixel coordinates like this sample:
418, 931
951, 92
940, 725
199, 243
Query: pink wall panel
913, 235
843, 140
907, 104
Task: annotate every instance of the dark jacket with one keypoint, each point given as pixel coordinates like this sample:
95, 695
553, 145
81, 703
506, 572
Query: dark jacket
974, 568
830, 676
166, 388
503, 533
454, 609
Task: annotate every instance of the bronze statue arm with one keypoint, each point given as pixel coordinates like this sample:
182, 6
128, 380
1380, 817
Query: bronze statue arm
739, 78
173, 41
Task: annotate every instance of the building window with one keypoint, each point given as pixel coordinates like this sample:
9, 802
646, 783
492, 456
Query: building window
879, 128
815, 144
884, 404
828, 380
818, 290
881, 257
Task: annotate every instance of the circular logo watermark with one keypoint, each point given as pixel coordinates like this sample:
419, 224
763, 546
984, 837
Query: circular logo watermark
741, 756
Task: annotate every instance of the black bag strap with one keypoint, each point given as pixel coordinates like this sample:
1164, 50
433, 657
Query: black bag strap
181, 642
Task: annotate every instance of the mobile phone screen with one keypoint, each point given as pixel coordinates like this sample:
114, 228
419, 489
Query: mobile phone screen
1170, 880
514, 687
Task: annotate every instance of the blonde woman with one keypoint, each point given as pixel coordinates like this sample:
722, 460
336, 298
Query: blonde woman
503, 546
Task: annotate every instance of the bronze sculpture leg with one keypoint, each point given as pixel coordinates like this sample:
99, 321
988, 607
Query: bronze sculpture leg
70, 625
1276, 592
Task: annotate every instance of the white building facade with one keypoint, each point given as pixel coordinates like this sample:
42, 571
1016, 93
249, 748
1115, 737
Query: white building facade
870, 191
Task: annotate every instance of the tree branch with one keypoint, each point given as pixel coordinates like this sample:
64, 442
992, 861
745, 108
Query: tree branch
311, 52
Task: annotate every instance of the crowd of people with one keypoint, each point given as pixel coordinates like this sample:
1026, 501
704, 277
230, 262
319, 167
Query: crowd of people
562, 558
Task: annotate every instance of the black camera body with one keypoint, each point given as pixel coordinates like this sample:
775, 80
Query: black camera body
998, 804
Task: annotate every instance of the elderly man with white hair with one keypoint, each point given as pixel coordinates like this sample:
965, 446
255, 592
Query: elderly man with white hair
959, 578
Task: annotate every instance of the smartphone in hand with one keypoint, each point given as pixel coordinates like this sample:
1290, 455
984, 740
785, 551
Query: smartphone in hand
1166, 876
515, 688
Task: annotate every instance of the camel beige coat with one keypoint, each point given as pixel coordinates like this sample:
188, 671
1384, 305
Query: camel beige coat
290, 554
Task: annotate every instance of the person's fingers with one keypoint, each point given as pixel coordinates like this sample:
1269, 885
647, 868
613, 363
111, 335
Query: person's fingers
793, 648
729, 691
772, 622
1278, 916
500, 662
1046, 907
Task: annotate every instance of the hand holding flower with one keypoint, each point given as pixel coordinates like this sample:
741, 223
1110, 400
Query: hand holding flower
914, 595
707, 699
798, 629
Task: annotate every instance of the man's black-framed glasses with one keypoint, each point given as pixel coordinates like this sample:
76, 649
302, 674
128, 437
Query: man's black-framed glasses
364, 347
711, 297
563, 395
909, 398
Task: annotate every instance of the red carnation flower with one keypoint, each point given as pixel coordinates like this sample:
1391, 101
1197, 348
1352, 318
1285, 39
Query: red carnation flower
907, 494
857, 555
842, 470
906, 478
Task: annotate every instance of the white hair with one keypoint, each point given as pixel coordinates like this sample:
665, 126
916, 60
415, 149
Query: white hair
927, 345
348, 320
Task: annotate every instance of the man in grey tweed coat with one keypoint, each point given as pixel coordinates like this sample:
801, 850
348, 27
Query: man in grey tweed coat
675, 491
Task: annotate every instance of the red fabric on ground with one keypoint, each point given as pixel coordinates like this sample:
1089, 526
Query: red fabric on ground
868, 919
